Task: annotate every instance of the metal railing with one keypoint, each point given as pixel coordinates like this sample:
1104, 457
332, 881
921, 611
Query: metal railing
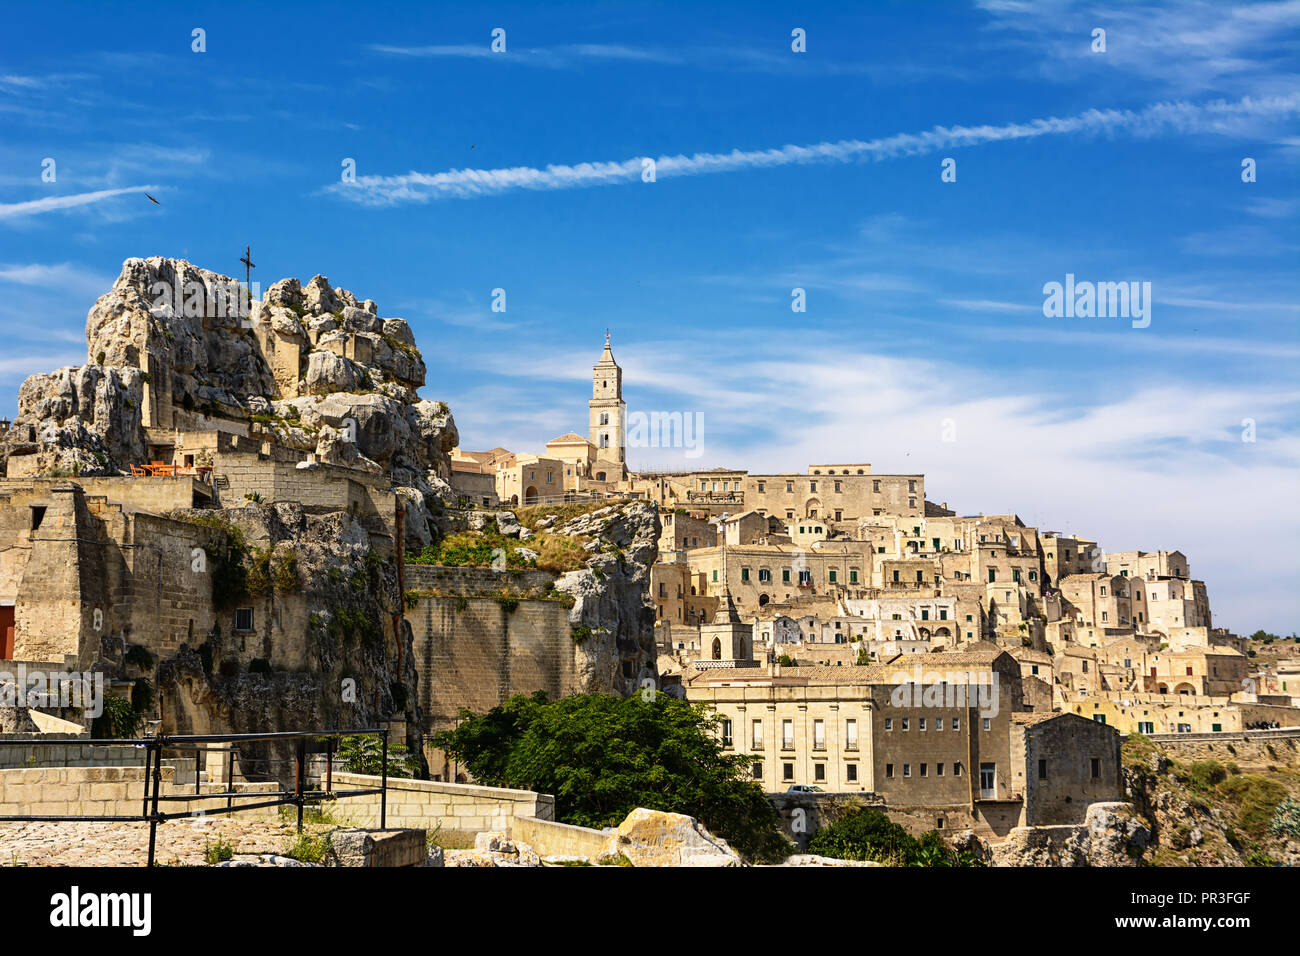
154, 748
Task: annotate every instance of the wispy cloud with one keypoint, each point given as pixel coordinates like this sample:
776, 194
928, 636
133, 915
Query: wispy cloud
1158, 119
35, 207
61, 276
1186, 48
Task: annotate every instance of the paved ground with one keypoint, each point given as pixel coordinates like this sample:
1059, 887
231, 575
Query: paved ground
127, 844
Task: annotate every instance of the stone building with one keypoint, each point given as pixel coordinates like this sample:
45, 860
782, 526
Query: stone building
942, 738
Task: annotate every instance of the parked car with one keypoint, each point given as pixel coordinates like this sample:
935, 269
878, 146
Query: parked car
803, 788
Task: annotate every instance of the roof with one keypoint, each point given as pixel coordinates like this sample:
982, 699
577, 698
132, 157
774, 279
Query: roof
1036, 717
572, 438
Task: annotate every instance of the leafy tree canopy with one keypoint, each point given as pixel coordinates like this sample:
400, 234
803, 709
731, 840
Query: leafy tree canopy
603, 756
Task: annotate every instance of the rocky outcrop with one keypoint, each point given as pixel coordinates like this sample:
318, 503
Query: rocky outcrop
611, 597
1112, 835
176, 346
78, 421
332, 661
659, 838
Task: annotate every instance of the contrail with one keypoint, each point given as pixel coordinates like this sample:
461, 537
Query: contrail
35, 206
1219, 116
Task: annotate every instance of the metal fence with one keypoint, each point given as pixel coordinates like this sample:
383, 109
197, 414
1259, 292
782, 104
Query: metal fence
306, 744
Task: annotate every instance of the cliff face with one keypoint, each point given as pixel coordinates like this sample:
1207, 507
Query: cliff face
311, 367
331, 655
611, 598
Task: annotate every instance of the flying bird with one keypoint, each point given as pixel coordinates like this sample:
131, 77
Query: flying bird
152, 200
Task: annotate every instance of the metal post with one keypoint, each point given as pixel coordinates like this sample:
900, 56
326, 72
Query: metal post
329, 766
230, 776
153, 817
144, 802
383, 784
302, 746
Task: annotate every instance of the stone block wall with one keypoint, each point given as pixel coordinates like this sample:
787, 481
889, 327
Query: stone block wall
108, 791
549, 838
478, 652
449, 808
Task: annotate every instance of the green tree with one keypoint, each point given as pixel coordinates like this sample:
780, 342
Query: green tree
365, 754
866, 834
603, 756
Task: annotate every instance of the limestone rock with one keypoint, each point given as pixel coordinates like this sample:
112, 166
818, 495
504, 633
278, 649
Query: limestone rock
611, 597
494, 848
659, 838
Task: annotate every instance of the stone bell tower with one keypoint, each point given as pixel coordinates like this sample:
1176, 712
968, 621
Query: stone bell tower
608, 410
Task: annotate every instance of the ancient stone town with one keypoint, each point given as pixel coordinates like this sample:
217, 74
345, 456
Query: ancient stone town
228, 523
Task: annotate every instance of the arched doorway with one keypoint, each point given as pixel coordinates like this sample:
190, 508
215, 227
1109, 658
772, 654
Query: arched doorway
717, 649
762, 600
530, 496
813, 508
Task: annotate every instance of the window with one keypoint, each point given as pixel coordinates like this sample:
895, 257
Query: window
875, 486
789, 487
889, 723
744, 574
787, 771
889, 770
987, 723
726, 732
819, 735
853, 577
760, 487
920, 724
1042, 770
938, 770
907, 770
851, 734
757, 734
756, 771
956, 769
244, 619
832, 576
905, 722
1096, 767
787, 735
988, 781
785, 575
764, 575
812, 487
851, 772
819, 771
715, 574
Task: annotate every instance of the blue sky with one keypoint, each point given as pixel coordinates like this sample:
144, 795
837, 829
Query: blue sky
775, 170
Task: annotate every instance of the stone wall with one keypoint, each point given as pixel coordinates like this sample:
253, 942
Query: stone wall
483, 582
478, 652
448, 808
549, 838
1250, 750
108, 791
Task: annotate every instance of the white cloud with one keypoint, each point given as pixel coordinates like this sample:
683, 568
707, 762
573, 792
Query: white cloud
58, 277
1218, 117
